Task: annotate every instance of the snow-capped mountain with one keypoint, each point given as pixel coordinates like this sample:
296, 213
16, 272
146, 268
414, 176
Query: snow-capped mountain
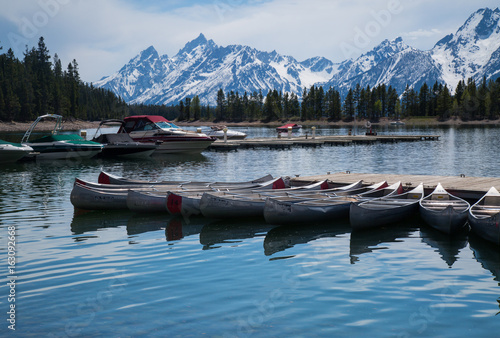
473, 51
202, 67
393, 63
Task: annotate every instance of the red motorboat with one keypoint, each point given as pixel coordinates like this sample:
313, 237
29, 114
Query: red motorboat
284, 128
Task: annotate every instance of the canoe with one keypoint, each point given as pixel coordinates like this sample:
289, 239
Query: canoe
83, 197
187, 203
251, 205
146, 201
96, 196
289, 211
484, 216
107, 178
93, 196
444, 211
385, 210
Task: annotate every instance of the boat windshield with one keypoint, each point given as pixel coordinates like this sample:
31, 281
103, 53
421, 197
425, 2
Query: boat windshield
166, 125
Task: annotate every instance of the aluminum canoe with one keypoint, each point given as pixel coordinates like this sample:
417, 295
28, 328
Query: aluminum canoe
330, 207
444, 211
484, 216
385, 210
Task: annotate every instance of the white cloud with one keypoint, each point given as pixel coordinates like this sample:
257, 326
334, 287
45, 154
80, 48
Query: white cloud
103, 35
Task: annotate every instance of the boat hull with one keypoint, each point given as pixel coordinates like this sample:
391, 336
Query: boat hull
487, 228
11, 153
279, 212
145, 202
183, 204
90, 199
221, 207
113, 150
64, 151
171, 144
447, 220
366, 218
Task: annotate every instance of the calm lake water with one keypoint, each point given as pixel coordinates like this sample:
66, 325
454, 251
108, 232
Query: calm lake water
121, 274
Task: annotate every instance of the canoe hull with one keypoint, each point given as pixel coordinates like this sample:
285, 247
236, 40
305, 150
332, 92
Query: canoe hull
183, 204
364, 218
448, 220
487, 228
220, 207
278, 212
90, 199
146, 202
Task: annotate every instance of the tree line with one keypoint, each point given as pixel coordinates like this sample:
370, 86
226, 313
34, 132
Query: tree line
36, 85
472, 101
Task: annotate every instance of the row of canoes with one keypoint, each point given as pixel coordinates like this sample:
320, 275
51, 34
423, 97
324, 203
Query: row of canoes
272, 198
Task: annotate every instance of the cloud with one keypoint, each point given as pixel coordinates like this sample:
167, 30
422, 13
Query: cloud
104, 35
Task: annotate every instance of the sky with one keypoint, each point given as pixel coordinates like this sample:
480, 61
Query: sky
104, 35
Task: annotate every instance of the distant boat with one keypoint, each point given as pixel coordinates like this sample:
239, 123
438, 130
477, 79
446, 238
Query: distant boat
60, 146
218, 131
398, 122
285, 127
11, 152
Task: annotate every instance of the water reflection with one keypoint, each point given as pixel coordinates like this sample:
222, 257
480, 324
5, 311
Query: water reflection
179, 227
367, 241
91, 221
227, 231
287, 236
487, 254
447, 246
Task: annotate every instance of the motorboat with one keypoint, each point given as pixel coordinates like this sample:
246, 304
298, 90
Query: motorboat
121, 144
11, 152
59, 146
218, 131
284, 128
154, 129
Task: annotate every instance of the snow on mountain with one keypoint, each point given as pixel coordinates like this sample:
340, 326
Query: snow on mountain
472, 52
392, 63
202, 67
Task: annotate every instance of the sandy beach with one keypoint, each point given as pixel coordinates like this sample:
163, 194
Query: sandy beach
81, 125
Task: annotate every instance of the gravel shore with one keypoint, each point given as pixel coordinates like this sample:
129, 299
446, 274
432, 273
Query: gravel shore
79, 125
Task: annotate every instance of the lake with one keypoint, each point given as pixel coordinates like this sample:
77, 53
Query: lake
122, 274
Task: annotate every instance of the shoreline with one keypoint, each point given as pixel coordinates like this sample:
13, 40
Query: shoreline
8, 127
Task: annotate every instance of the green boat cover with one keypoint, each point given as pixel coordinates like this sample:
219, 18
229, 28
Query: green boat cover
72, 138
14, 144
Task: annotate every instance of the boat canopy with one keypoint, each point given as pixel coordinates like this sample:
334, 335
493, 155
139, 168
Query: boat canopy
146, 122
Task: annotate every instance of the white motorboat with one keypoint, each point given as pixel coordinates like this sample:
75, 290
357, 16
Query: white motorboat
153, 129
11, 152
60, 146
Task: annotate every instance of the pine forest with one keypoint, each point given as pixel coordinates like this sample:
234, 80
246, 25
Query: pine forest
37, 86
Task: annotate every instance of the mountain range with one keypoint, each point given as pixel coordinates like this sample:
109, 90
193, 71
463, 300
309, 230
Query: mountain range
202, 67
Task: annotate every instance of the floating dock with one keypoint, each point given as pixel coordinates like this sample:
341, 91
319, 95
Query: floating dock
462, 186
318, 141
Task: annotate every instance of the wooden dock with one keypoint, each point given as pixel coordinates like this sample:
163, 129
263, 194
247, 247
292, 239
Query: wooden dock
462, 186
318, 141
